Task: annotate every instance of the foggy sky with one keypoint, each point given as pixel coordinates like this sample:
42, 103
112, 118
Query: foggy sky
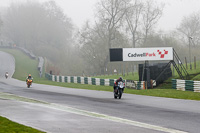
81, 10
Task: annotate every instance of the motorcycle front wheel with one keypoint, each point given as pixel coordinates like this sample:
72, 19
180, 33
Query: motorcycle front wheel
120, 93
28, 85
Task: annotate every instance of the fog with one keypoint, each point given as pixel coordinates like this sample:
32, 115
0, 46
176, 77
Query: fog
45, 30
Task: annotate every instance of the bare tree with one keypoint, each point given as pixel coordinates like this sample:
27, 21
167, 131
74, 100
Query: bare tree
133, 16
190, 28
94, 49
111, 13
151, 14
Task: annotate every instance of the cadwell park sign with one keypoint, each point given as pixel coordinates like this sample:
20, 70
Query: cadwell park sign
141, 54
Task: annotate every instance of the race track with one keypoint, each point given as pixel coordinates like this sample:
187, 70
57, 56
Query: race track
66, 110
7, 64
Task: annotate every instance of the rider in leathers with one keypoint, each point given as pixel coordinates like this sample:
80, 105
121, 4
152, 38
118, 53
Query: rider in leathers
29, 77
116, 83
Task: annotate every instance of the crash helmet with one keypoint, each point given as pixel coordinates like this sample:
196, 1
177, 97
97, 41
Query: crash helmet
120, 78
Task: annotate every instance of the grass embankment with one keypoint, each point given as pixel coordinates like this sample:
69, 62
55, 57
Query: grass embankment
193, 73
7, 126
23, 65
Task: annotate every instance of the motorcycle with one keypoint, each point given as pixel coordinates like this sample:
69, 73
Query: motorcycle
29, 82
6, 75
119, 90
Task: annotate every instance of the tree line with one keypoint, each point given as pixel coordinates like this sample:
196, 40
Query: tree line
47, 31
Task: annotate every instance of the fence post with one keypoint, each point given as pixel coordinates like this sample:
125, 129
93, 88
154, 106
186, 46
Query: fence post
127, 68
186, 63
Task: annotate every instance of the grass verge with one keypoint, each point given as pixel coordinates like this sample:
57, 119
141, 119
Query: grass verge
7, 126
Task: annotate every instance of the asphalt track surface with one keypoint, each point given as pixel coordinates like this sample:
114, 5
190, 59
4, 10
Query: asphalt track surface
66, 110
7, 64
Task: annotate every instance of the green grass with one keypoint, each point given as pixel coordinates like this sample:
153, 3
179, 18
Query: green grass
194, 72
7, 126
169, 93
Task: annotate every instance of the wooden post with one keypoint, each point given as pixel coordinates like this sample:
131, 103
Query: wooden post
173, 71
194, 62
121, 69
186, 63
132, 68
127, 69
151, 84
112, 70
108, 70
144, 85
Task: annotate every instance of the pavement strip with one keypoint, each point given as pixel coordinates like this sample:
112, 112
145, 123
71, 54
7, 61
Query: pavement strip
87, 113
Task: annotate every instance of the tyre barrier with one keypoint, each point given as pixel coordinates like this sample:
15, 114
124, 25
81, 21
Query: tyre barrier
80, 80
139, 85
186, 85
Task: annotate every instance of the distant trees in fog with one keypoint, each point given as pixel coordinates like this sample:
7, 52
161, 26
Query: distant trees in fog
44, 29
189, 28
118, 23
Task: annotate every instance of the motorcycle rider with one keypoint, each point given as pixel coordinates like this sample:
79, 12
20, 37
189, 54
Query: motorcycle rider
29, 77
6, 74
116, 83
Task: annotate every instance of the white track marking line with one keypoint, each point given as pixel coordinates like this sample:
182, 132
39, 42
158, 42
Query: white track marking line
88, 113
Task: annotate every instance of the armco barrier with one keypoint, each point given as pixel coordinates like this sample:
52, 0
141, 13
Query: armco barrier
92, 81
30, 54
40, 65
186, 85
80, 80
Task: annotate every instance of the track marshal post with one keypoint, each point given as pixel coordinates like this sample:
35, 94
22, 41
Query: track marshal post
149, 54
